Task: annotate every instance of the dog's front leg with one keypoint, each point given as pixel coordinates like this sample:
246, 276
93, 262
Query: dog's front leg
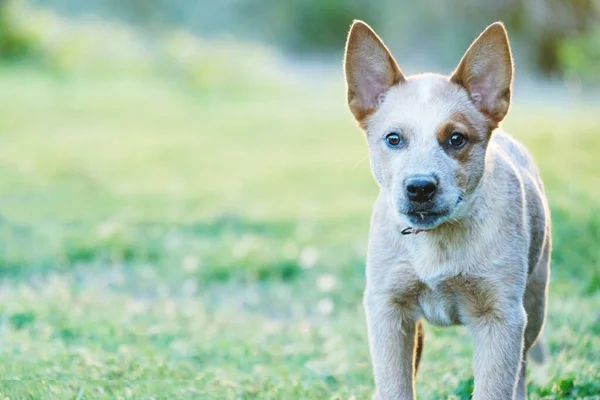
498, 339
392, 346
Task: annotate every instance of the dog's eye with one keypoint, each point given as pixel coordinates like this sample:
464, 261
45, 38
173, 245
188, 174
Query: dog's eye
394, 140
457, 140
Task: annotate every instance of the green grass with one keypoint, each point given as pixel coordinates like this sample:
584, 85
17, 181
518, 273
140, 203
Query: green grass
159, 241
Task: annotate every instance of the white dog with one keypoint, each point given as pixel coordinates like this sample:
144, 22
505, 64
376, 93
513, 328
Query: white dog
460, 232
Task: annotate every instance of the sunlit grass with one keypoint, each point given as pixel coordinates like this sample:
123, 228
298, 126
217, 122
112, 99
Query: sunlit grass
184, 245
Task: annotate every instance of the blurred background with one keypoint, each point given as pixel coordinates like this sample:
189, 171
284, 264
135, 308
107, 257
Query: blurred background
185, 198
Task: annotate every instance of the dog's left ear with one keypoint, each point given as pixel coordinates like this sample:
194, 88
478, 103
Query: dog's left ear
486, 72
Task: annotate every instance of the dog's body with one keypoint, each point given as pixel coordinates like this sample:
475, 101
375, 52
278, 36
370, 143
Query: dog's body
473, 200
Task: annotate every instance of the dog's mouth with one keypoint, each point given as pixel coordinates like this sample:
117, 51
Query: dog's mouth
427, 219
422, 215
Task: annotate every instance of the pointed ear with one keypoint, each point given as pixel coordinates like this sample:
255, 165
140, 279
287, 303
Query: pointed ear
486, 72
370, 70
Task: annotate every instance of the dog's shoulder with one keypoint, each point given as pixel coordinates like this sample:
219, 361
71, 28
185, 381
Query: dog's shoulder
514, 172
515, 150
518, 174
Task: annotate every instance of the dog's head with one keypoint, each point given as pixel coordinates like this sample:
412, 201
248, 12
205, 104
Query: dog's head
428, 134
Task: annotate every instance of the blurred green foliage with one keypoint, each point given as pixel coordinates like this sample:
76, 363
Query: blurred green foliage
541, 27
15, 42
552, 36
312, 25
101, 47
580, 55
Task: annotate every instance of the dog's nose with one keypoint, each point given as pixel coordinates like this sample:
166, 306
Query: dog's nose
420, 189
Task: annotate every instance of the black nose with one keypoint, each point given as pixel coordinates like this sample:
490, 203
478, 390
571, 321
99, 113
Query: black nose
420, 189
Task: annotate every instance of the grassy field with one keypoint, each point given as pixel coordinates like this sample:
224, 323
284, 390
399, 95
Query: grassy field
162, 242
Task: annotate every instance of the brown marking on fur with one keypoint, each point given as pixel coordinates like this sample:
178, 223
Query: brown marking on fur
458, 122
419, 340
409, 297
462, 178
361, 116
471, 157
478, 298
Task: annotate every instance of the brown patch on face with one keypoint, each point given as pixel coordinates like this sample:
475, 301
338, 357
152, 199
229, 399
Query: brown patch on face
458, 123
472, 155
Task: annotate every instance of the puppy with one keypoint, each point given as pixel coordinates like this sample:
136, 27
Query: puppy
460, 231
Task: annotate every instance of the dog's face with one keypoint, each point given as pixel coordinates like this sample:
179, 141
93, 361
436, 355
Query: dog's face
428, 134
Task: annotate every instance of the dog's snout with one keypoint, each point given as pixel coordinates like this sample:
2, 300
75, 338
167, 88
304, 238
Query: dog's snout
420, 189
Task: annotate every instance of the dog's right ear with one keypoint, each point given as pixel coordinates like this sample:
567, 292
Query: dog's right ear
370, 70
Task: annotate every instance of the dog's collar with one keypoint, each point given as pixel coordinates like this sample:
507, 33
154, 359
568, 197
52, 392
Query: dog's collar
410, 229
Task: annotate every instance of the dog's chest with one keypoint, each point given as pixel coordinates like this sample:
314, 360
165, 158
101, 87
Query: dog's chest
437, 310
442, 267
441, 304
